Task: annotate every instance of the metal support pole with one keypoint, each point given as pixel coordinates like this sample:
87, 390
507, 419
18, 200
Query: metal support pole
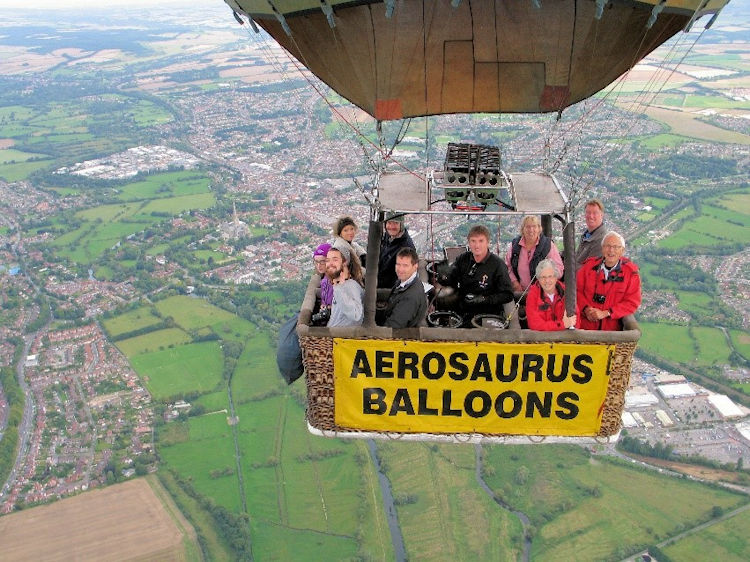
374, 234
569, 252
546, 225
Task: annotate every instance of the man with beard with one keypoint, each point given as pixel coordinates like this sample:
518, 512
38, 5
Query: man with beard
347, 308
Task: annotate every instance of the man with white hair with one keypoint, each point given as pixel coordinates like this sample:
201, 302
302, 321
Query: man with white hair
608, 287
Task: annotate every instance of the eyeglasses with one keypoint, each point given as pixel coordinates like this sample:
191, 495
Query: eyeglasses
611, 246
318, 261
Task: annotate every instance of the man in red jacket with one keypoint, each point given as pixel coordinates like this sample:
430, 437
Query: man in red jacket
609, 287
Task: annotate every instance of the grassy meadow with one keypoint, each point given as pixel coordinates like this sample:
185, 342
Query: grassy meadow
137, 319
586, 508
726, 540
180, 370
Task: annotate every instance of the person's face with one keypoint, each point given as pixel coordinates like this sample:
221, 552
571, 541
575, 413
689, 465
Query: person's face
393, 228
320, 264
479, 246
405, 268
594, 217
334, 264
348, 232
612, 250
548, 279
531, 231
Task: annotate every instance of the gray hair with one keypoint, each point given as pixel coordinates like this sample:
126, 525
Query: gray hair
546, 264
617, 235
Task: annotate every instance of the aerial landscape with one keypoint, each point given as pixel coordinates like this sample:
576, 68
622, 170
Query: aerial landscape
165, 175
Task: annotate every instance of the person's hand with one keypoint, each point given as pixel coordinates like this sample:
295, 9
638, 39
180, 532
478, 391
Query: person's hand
473, 299
590, 313
516, 286
569, 321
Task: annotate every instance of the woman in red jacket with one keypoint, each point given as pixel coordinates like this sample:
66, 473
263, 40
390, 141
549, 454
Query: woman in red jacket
545, 303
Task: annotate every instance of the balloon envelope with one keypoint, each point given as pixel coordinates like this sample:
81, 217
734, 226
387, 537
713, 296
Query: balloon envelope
431, 58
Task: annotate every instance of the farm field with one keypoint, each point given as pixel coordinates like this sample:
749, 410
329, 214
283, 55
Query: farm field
165, 185
444, 514
671, 341
686, 124
183, 369
642, 506
126, 521
157, 340
133, 320
726, 540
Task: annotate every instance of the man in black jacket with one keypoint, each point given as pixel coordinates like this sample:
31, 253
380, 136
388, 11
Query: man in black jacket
407, 303
480, 277
394, 238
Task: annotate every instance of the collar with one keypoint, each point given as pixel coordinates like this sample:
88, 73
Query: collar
589, 233
408, 281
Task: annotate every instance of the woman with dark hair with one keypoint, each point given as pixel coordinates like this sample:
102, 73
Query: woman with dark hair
345, 229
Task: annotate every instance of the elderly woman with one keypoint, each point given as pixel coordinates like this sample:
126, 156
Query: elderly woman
527, 250
545, 303
609, 287
346, 229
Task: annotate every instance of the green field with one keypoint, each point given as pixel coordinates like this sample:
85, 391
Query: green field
670, 341
663, 140
180, 370
715, 227
13, 156
104, 226
209, 432
741, 342
712, 346
451, 517
253, 369
22, 170
170, 184
739, 202
132, 320
727, 541
584, 508
193, 314
153, 341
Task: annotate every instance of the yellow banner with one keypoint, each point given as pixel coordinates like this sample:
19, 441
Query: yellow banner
448, 387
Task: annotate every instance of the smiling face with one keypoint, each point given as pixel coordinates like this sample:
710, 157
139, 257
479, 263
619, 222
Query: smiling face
479, 246
405, 268
548, 280
334, 264
594, 217
531, 231
612, 250
348, 232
